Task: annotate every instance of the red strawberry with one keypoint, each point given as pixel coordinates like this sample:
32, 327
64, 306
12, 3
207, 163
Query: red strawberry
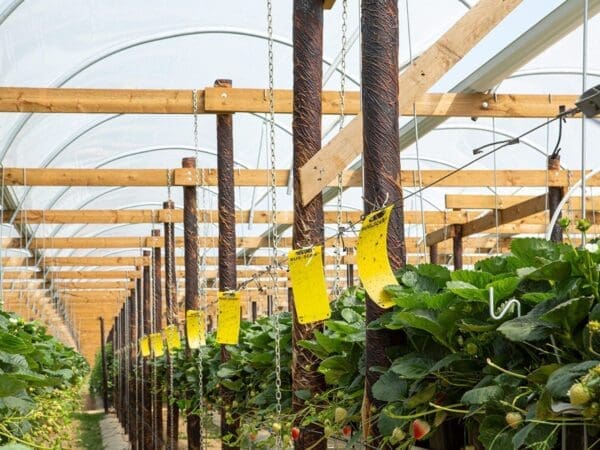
347, 431
295, 433
420, 429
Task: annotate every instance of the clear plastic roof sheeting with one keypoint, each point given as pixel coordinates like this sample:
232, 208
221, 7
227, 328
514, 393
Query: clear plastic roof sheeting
189, 44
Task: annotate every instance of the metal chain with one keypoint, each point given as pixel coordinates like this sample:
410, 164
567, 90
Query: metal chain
274, 231
153, 330
201, 268
170, 313
339, 243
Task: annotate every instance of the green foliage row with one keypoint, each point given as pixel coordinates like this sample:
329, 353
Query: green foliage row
39, 384
511, 382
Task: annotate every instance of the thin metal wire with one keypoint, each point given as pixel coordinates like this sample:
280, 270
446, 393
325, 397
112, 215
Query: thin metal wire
423, 225
584, 69
496, 211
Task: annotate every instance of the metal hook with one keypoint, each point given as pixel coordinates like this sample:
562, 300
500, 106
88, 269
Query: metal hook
506, 308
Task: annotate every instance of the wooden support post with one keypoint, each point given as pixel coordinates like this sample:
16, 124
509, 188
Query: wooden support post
457, 247
381, 161
133, 406
433, 254
190, 237
308, 228
157, 421
254, 311
146, 309
269, 305
172, 319
555, 195
227, 247
104, 367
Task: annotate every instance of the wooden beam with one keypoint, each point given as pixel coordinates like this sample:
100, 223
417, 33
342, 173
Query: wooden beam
415, 81
259, 177
59, 285
489, 201
148, 242
506, 215
92, 274
108, 216
231, 100
106, 261
503, 216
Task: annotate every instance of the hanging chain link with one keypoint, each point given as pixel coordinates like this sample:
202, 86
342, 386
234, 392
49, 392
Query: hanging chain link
200, 268
339, 243
274, 225
170, 312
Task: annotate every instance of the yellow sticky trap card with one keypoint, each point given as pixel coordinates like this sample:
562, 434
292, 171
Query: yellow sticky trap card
145, 346
372, 259
311, 300
172, 338
228, 318
194, 328
156, 343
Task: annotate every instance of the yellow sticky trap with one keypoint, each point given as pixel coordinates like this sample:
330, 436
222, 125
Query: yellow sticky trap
311, 300
156, 343
172, 338
372, 259
194, 328
145, 346
228, 318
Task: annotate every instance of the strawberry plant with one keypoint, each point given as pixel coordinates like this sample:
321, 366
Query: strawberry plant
40, 380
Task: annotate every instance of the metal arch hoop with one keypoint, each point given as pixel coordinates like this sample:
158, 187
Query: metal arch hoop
20, 124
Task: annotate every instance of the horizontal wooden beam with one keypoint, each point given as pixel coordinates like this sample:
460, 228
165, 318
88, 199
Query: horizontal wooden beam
505, 215
259, 177
100, 261
151, 241
59, 285
231, 100
490, 220
465, 201
107, 216
92, 274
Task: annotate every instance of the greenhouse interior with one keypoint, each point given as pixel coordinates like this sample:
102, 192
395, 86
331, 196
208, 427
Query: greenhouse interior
307, 224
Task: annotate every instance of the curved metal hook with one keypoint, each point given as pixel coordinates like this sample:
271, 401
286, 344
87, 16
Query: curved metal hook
507, 307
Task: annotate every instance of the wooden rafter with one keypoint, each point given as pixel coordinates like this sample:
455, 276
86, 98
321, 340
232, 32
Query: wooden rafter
502, 216
231, 100
259, 177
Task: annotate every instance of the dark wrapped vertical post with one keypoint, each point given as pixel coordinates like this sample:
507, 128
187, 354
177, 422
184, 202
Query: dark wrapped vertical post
172, 319
254, 311
133, 373
157, 432
104, 367
227, 256
555, 195
381, 162
124, 400
308, 226
457, 247
147, 414
269, 305
116, 391
433, 254
190, 242
139, 366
